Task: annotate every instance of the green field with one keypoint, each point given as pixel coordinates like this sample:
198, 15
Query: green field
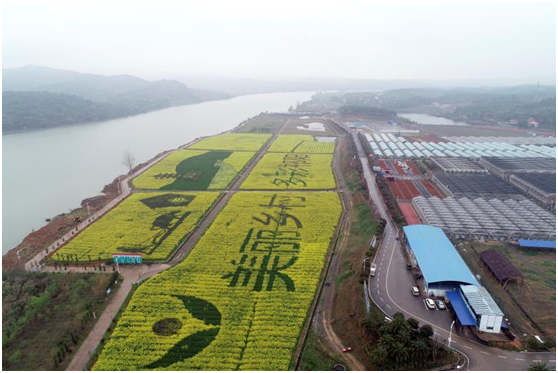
194, 170
262, 124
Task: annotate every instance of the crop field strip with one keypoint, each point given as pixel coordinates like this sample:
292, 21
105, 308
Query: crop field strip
232, 141
151, 224
292, 171
240, 298
301, 144
194, 170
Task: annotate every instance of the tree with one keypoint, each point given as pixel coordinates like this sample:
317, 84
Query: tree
419, 350
538, 366
414, 324
426, 331
401, 353
129, 160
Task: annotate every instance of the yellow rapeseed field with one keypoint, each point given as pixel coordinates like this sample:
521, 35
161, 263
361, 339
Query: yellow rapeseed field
292, 171
301, 144
233, 141
240, 298
194, 170
152, 224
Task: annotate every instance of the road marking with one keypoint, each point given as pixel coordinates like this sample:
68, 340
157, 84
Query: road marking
551, 361
382, 299
470, 348
536, 361
486, 353
378, 291
387, 305
502, 357
519, 359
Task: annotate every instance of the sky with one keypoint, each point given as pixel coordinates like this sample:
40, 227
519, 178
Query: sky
280, 39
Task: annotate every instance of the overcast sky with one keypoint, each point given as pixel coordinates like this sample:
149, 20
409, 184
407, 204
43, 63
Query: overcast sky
284, 39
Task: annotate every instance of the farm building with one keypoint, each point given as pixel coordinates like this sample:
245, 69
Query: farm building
440, 264
476, 186
488, 315
539, 186
500, 267
506, 220
504, 167
537, 244
459, 165
514, 140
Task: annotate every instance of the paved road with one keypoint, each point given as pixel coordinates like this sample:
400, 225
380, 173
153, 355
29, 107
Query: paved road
390, 290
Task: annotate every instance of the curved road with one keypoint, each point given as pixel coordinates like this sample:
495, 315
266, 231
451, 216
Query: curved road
390, 290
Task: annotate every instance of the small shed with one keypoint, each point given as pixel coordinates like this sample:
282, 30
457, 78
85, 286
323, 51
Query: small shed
500, 267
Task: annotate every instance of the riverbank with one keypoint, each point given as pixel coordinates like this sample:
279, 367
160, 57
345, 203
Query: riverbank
73, 163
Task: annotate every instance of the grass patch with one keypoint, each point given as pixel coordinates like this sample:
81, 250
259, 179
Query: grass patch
343, 277
315, 357
46, 316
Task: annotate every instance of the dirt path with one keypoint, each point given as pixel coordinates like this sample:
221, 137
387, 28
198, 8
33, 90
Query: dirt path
327, 320
200, 229
131, 275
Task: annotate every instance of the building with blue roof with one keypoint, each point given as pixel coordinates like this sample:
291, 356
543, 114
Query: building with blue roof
536, 244
439, 262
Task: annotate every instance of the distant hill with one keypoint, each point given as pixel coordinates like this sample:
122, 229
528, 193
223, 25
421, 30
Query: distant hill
66, 97
38, 110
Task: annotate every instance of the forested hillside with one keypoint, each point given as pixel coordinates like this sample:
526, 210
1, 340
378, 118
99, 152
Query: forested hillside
38, 97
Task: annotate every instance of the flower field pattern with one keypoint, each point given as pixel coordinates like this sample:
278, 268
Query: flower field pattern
301, 144
240, 298
232, 141
152, 224
292, 171
194, 170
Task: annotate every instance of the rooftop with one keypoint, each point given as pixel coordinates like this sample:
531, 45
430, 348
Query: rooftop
436, 256
480, 300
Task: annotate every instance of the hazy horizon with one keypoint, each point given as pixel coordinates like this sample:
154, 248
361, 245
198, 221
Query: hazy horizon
513, 42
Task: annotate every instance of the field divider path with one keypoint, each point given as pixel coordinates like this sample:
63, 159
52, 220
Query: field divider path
83, 354
222, 201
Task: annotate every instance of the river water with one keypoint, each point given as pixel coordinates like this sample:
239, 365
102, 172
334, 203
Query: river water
431, 120
48, 172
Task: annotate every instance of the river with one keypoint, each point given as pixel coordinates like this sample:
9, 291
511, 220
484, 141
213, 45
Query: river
431, 120
48, 172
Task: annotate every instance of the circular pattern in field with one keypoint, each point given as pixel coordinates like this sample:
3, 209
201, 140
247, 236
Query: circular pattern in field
168, 326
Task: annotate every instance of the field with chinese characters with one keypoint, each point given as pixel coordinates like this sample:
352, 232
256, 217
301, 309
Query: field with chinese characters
151, 224
240, 298
293, 171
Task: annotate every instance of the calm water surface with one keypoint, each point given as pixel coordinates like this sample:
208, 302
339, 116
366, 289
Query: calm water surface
430, 119
49, 172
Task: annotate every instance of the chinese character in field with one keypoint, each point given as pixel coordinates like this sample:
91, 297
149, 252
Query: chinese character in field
264, 276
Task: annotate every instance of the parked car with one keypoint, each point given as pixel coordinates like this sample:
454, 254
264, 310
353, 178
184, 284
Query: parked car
415, 291
409, 267
417, 276
373, 270
430, 304
440, 304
